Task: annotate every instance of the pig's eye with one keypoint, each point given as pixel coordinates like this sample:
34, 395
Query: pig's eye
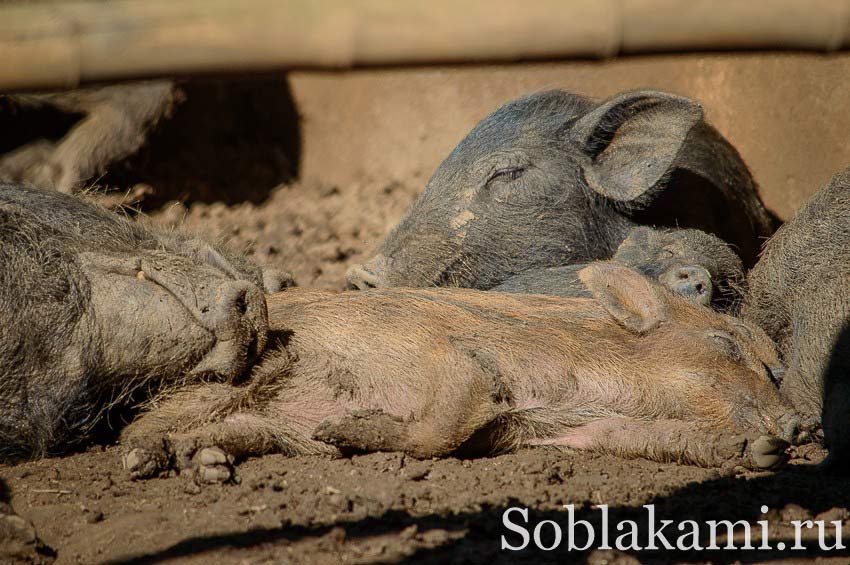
725, 342
506, 175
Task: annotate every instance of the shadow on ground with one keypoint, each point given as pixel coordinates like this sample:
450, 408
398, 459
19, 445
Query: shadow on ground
794, 494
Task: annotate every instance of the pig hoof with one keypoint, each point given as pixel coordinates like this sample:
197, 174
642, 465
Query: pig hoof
212, 465
768, 452
144, 463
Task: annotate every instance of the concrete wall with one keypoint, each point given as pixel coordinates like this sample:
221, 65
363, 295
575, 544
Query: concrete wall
788, 114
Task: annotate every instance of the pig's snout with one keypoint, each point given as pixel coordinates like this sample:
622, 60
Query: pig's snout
368, 275
690, 281
275, 280
235, 312
230, 306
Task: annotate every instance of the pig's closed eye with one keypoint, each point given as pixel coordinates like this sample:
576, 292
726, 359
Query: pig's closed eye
506, 175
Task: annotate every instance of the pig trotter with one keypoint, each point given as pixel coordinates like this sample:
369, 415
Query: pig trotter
147, 459
202, 464
212, 465
767, 452
753, 453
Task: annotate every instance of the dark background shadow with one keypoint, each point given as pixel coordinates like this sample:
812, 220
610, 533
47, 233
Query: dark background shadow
231, 140
836, 402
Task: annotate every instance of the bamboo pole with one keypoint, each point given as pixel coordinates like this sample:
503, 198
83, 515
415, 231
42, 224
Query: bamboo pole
61, 44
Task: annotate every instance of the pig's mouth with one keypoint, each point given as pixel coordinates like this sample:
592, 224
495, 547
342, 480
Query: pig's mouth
238, 338
214, 324
362, 277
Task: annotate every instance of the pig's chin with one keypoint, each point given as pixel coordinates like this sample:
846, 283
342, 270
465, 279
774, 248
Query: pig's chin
227, 359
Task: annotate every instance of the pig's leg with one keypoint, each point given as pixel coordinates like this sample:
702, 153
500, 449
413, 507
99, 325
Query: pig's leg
114, 128
16, 165
202, 429
116, 120
442, 427
146, 445
673, 441
207, 453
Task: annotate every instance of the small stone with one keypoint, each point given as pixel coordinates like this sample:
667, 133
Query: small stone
192, 488
795, 512
94, 516
409, 532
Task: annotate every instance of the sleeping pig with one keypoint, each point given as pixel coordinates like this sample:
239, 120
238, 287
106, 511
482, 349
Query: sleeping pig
635, 371
695, 264
554, 179
94, 307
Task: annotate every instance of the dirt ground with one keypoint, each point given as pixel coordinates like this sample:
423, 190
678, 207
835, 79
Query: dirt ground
377, 508
388, 508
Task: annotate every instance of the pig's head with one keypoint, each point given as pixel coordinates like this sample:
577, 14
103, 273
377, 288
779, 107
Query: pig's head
695, 264
553, 179
696, 364
95, 306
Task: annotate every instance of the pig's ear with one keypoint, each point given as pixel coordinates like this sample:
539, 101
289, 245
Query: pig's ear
633, 300
632, 141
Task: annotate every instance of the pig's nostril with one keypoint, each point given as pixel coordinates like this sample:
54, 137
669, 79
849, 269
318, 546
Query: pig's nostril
235, 300
683, 275
241, 304
700, 288
361, 279
360, 284
776, 374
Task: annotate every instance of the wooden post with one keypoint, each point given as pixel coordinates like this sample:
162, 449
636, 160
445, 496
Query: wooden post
61, 44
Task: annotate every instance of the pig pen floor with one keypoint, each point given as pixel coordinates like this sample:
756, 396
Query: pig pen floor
382, 507
386, 507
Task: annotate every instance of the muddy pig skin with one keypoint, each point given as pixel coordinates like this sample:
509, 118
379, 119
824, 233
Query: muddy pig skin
800, 294
94, 306
636, 371
555, 179
699, 266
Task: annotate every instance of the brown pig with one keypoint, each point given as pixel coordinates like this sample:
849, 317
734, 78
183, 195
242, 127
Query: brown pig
636, 371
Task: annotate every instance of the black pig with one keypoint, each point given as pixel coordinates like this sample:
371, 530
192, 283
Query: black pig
799, 294
94, 306
554, 179
697, 265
